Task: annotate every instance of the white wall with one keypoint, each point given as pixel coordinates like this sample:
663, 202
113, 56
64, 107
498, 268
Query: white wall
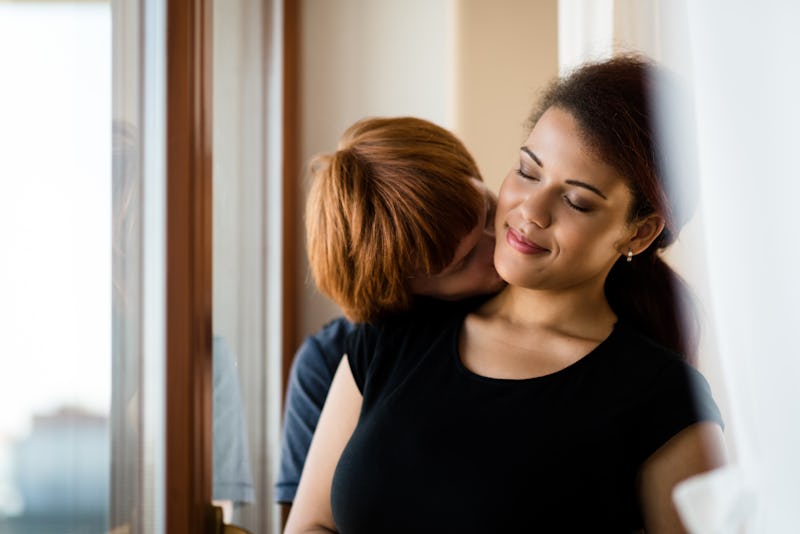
504, 54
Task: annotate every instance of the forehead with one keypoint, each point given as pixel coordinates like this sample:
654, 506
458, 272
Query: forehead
559, 143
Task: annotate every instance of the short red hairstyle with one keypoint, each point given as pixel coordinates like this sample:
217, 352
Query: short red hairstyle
394, 200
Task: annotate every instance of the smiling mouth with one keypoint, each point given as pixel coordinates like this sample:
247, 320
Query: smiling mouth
521, 244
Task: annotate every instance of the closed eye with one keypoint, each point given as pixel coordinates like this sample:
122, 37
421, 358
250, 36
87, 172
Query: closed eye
524, 175
575, 206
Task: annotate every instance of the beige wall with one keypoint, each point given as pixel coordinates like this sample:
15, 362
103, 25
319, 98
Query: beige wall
473, 66
505, 53
364, 58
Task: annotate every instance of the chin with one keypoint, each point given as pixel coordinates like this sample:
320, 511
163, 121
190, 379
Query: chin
516, 276
506, 274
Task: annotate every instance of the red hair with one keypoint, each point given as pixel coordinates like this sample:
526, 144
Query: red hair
395, 199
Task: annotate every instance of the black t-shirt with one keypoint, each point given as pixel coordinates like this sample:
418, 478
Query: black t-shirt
440, 449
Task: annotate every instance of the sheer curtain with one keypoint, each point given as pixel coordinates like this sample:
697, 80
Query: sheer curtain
740, 252
747, 114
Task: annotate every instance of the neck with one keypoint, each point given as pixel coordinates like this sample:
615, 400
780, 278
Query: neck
576, 310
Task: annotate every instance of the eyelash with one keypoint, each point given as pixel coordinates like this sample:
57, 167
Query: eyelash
526, 176
575, 206
566, 198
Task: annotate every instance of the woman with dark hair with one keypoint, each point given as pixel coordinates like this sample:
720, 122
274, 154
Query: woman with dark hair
561, 404
613, 105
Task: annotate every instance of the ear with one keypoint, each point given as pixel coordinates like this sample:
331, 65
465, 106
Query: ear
644, 232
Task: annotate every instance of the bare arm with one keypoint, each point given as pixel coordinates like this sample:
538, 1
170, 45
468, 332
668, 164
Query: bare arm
694, 450
311, 510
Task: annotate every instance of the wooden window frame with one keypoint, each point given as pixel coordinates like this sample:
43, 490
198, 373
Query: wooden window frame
188, 468
189, 282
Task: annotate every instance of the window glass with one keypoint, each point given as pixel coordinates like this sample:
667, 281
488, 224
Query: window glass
55, 272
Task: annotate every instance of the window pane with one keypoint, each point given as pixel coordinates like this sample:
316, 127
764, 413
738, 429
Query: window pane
55, 277
247, 214
137, 502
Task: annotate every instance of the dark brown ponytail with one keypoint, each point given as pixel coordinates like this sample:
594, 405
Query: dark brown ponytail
649, 295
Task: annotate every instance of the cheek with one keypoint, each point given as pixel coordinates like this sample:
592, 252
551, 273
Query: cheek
587, 242
507, 198
500, 217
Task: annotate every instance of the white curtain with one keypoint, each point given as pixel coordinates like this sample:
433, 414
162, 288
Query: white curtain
743, 251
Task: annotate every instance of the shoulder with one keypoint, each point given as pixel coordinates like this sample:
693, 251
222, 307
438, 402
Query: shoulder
671, 395
657, 369
332, 335
323, 350
429, 314
645, 359
402, 337
427, 317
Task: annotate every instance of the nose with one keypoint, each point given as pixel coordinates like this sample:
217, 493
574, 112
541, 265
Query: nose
536, 209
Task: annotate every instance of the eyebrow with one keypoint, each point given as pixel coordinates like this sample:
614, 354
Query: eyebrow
591, 188
576, 183
533, 156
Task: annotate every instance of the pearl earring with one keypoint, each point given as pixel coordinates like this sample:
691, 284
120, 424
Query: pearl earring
630, 255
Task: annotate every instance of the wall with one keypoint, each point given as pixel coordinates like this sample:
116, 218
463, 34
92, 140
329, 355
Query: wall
470, 66
503, 58
364, 58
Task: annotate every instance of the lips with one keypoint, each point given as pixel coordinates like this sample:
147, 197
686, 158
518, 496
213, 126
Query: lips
520, 243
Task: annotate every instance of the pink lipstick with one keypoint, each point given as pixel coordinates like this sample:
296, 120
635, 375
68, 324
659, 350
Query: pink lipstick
521, 244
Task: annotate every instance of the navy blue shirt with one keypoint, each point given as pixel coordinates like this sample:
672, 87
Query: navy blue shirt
310, 379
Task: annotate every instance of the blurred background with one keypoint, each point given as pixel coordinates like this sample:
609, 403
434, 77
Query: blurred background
83, 148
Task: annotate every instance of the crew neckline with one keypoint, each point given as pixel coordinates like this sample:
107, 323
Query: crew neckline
584, 360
